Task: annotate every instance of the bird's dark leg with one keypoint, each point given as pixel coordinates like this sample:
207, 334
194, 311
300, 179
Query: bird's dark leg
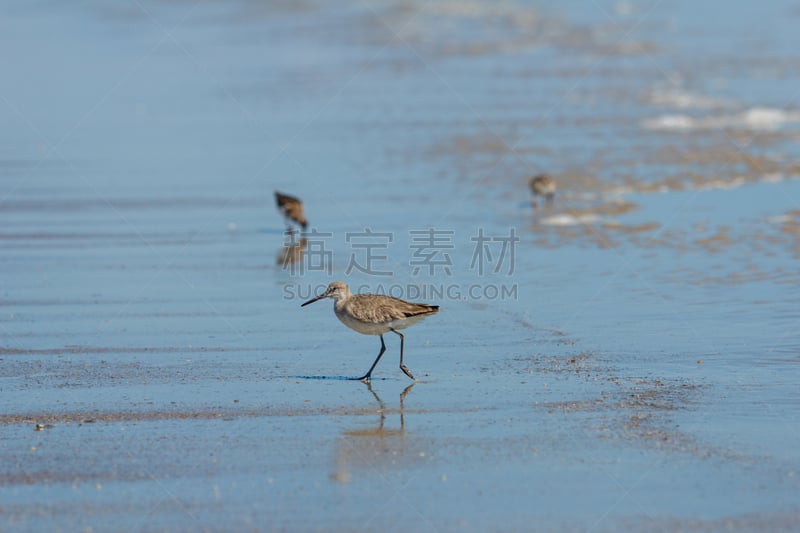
289, 233
366, 376
382, 409
402, 404
403, 367
550, 198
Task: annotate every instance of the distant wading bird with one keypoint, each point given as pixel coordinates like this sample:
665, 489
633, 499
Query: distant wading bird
374, 314
291, 208
542, 185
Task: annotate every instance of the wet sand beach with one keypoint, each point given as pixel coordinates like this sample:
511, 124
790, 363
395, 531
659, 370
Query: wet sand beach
625, 358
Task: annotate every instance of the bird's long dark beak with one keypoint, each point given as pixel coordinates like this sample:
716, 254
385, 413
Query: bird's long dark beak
312, 300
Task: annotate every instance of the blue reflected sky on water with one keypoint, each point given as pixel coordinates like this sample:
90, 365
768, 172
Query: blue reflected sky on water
140, 144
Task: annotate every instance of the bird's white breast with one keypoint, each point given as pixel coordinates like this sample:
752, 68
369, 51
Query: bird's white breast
374, 328
366, 328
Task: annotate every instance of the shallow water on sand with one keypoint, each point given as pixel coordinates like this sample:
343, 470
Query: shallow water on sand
632, 365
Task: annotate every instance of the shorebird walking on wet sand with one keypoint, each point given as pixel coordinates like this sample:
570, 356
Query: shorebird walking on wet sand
291, 208
542, 185
374, 314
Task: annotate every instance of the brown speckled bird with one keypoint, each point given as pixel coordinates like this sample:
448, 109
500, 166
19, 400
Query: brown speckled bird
375, 314
542, 185
291, 208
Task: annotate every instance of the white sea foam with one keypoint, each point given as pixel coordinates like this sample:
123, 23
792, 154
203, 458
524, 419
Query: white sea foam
757, 118
780, 219
773, 177
670, 122
767, 118
682, 99
721, 184
570, 220
734, 182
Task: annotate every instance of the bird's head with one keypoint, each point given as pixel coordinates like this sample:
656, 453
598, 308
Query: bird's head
337, 290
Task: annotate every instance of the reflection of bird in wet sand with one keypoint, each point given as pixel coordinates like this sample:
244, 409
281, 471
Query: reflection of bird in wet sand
292, 253
291, 208
380, 430
374, 314
542, 185
375, 448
